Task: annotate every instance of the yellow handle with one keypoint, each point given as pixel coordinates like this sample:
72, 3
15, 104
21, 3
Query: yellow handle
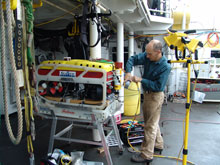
36, 5
66, 160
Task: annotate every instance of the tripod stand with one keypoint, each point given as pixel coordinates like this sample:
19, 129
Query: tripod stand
181, 42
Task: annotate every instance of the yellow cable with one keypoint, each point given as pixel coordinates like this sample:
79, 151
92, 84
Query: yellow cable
28, 103
57, 18
28, 108
26, 121
31, 144
172, 157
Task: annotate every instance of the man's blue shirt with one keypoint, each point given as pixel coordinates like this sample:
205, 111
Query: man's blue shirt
155, 73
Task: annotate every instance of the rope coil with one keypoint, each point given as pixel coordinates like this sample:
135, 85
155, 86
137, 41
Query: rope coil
5, 87
213, 44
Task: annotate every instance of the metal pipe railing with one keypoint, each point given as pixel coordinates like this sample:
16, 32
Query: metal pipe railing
158, 8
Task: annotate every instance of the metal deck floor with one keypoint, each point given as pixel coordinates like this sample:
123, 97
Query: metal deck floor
203, 142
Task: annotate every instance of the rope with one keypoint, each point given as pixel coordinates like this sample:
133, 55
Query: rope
2, 48
12, 62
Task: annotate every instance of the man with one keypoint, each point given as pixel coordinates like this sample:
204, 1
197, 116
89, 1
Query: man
154, 78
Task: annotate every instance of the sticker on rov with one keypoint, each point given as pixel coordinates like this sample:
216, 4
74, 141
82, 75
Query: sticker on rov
67, 74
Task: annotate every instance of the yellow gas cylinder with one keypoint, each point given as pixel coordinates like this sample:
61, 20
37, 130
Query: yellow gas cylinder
117, 75
132, 99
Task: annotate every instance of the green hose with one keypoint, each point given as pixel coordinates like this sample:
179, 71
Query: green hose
1, 86
1, 78
29, 19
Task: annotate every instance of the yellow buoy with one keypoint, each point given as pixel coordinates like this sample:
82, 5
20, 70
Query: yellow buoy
178, 20
132, 99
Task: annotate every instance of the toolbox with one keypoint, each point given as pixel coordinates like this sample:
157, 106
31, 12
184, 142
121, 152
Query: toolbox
136, 132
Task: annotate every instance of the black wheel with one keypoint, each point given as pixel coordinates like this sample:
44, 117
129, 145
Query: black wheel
120, 152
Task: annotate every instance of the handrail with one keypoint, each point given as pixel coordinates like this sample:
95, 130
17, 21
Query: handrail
166, 11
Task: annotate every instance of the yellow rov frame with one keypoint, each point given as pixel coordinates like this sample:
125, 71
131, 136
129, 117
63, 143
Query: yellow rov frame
176, 41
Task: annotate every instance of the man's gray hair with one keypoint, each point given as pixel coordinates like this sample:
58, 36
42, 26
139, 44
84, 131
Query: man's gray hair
157, 45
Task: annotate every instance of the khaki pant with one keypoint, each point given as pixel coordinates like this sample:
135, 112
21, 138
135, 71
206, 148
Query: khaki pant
151, 110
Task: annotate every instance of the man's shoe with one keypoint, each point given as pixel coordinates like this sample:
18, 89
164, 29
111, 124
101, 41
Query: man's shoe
139, 159
158, 150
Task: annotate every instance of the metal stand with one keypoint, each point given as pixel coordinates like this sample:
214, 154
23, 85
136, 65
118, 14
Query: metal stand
94, 124
188, 105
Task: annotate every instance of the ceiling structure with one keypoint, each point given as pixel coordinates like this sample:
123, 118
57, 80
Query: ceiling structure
135, 15
54, 14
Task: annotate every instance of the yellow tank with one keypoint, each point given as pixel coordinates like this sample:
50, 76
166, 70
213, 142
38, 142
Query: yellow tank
132, 99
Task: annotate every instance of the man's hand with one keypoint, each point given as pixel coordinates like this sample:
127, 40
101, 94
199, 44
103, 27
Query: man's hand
136, 79
128, 76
